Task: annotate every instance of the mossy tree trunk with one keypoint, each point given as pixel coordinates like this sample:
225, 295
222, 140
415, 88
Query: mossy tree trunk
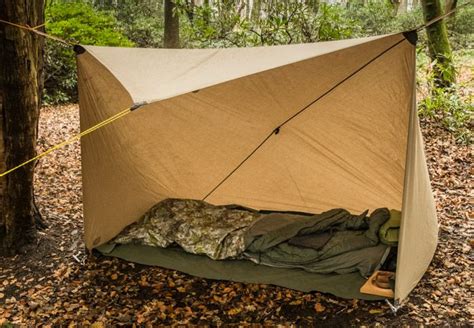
21, 67
438, 45
171, 38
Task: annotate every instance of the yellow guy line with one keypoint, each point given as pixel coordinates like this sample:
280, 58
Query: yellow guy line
72, 139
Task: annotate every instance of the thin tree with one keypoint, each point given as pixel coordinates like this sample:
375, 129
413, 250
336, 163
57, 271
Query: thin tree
21, 66
402, 6
438, 44
171, 37
256, 9
451, 5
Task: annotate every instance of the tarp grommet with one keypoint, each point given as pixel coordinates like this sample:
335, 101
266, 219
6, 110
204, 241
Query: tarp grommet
411, 36
135, 106
78, 49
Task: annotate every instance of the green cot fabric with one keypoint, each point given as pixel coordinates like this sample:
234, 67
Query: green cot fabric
342, 285
389, 231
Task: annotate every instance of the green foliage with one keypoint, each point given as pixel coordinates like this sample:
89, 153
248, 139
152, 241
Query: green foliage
461, 28
141, 21
372, 18
283, 23
453, 106
380, 17
455, 111
80, 23
333, 23
7, 324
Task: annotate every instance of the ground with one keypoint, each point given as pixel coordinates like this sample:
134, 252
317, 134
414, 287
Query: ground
56, 283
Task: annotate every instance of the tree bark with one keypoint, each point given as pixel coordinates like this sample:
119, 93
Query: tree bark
438, 45
21, 68
171, 39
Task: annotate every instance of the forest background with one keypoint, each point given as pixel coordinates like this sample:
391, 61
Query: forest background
44, 284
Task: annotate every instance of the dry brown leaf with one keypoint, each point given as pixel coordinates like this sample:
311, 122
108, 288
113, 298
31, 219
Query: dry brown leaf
375, 311
318, 307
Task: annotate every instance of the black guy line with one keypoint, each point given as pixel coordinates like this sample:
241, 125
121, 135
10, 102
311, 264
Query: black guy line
277, 129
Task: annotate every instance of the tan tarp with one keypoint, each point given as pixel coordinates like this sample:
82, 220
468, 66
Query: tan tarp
419, 228
343, 109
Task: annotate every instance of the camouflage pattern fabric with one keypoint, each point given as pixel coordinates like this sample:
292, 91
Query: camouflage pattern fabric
196, 226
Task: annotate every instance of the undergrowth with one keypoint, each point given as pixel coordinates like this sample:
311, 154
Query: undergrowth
453, 106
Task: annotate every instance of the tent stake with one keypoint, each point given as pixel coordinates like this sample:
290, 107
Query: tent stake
79, 259
394, 307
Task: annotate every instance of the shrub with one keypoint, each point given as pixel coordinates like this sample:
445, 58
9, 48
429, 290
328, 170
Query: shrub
78, 22
282, 23
140, 20
461, 28
453, 106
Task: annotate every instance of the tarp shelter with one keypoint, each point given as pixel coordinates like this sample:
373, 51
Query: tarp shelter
304, 127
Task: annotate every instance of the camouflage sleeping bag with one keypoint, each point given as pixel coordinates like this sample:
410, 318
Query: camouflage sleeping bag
196, 226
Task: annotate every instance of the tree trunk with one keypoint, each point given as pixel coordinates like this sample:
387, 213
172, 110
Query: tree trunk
313, 5
438, 45
171, 39
402, 7
395, 4
21, 67
451, 5
207, 17
256, 10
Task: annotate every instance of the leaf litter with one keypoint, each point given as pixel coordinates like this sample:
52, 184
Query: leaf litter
49, 287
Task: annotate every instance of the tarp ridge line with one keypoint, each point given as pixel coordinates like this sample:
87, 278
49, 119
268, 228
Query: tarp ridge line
278, 128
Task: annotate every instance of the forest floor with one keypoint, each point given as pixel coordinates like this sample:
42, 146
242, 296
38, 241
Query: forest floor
47, 286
